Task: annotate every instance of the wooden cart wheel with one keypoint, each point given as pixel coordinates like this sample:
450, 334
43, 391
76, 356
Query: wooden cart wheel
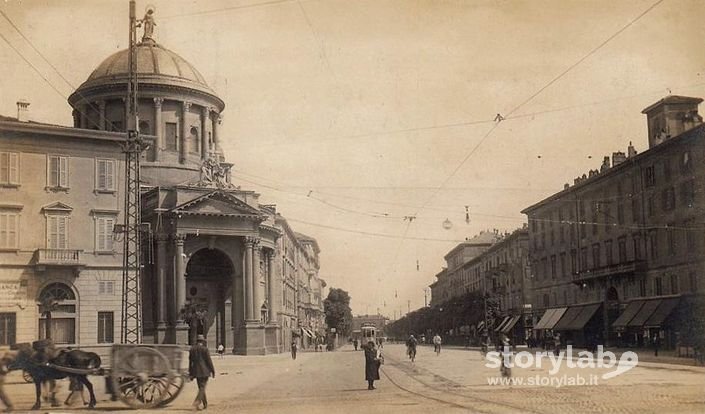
27, 377
173, 389
143, 378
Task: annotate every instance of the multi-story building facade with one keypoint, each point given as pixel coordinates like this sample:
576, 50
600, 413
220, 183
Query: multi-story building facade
614, 254
504, 267
450, 281
61, 192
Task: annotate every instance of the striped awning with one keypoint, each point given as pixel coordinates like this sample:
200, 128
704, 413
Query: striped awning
550, 318
510, 325
307, 332
501, 324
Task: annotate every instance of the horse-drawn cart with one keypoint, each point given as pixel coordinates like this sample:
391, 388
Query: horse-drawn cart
141, 376
147, 376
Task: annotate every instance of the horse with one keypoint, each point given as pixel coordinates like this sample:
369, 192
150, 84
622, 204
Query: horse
35, 359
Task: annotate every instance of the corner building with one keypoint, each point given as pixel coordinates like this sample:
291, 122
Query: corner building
618, 253
211, 248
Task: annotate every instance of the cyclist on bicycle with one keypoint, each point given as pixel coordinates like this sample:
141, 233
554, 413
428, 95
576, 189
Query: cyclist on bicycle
411, 347
437, 343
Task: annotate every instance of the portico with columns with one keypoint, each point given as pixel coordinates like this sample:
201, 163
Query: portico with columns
214, 252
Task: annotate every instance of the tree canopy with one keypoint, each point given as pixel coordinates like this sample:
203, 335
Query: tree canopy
338, 313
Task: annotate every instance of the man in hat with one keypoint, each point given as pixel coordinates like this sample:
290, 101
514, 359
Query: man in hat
200, 367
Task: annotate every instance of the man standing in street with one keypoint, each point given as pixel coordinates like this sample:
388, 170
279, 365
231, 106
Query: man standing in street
200, 367
437, 343
5, 361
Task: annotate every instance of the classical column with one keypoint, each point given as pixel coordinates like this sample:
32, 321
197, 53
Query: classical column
184, 139
179, 275
216, 131
160, 265
159, 145
271, 300
101, 115
204, 132
257, 293
249, 288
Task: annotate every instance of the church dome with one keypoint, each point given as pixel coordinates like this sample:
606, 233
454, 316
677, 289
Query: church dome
156, 65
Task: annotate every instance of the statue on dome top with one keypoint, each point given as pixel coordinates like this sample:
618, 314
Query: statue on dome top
148, 23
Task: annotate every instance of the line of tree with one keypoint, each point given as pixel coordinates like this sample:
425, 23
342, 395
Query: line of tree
338, 312
466, 310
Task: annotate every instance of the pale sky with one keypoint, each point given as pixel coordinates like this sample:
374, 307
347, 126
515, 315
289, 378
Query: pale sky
372, 106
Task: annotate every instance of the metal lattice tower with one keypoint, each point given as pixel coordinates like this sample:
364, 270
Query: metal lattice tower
131, 329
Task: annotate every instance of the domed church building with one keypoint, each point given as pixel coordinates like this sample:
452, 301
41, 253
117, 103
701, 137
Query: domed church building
211, 247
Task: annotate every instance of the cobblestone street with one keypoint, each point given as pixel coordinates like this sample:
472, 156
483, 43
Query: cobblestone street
455, 381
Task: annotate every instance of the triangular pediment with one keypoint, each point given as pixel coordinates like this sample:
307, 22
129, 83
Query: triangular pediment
217, 203
58, 206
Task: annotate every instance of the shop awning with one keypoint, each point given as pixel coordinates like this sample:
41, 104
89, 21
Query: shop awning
307, 332
541, 324
662, 312
586, 313
644, 313
628, 314
501, 324
510, 325
550, 318
480, 325
567, 318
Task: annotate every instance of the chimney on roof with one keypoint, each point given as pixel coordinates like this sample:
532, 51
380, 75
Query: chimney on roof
605, 164
671, 116
630, 150
566, 186
618, 158
22, 110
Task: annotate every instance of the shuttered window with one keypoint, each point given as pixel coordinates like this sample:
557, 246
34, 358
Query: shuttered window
104, 233
9, 168
9, 223
57, 231
8, 328
105, 327
105, 175
58, 171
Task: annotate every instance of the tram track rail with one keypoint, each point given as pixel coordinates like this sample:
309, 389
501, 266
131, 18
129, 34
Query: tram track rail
502, 406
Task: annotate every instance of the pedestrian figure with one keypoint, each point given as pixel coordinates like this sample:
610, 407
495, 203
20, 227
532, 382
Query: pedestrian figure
411, 347
557, 344
437, 343
355, 343
5, 362
506, 368
75, 387
656, 342
220, 350
200, 368
373, 359
293, 349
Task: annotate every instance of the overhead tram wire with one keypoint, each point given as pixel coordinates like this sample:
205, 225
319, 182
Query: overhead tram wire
500, 118
48, 62
231, 8
543, 88
582, 59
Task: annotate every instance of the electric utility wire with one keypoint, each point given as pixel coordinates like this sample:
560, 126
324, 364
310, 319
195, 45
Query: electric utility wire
90, 104
227, 9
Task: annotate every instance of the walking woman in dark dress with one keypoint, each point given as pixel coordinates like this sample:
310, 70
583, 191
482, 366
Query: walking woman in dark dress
372, 363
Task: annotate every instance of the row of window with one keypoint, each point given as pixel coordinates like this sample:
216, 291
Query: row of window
674, 237
635, 288
58, 171
57, 230
62, 329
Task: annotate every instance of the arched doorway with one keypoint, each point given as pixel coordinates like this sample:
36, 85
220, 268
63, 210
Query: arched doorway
57, 313
208, 286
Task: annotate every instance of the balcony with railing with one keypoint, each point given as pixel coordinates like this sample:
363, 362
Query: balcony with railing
44, 258
633, 267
